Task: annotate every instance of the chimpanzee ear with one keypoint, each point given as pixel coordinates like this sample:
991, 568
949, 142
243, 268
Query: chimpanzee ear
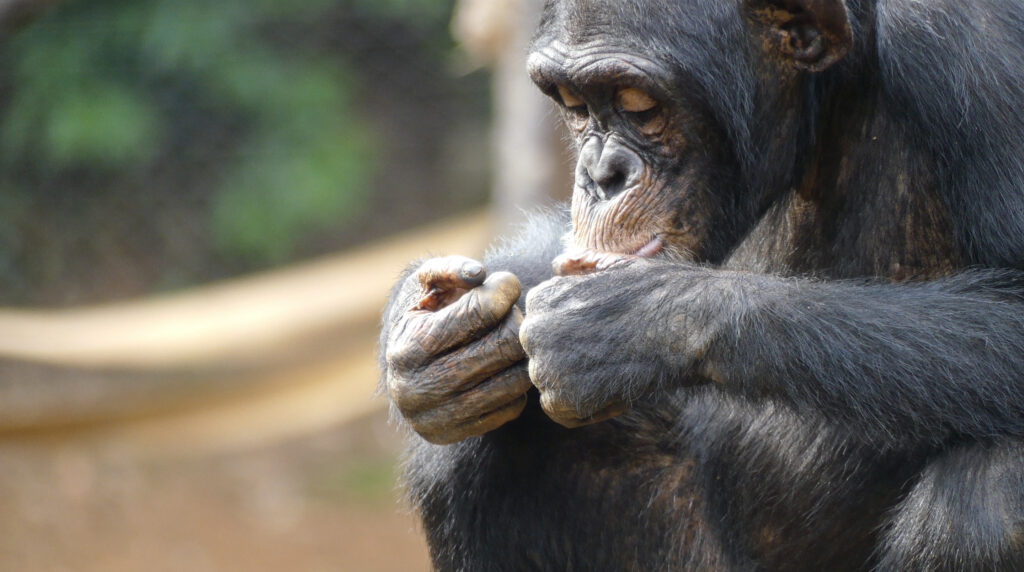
813, 34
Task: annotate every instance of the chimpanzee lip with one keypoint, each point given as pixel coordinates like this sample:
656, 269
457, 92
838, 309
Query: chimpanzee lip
648, 250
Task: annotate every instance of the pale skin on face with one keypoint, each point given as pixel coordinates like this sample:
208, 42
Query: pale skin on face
633, 100
628, 99
569, 99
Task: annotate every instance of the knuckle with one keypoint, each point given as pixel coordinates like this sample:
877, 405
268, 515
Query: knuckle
533, 333
560, 412
554, 406
495, 298
508, 347
402, 355
474, 310
416, 395
532, 299
537, 377
408, 342
506, 281
525, 335
514, 319
401, 392
396, 355
429, 432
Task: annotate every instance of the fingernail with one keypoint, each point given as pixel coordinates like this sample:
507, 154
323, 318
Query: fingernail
472, 270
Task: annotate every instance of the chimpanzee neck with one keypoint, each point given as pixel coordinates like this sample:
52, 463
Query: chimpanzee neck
862, 171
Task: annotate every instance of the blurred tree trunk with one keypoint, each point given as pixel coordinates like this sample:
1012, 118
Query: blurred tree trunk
530, 166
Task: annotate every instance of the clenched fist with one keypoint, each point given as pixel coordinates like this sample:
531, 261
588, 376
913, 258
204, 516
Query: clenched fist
612, 329
454, 366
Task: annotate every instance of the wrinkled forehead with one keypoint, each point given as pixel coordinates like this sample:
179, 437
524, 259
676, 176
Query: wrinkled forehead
686, 36
635, 24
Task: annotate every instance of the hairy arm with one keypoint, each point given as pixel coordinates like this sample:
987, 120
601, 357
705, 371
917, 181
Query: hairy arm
914, 362
917, 362
496, 493
523, 493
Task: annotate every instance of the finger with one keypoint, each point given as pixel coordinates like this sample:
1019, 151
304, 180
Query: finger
469, 317
483, 424
496, 351
566, 415
444, 280
578, 262
491, 421
480, 409
419, 389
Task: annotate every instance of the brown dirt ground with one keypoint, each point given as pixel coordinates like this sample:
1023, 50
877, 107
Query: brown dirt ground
321, 502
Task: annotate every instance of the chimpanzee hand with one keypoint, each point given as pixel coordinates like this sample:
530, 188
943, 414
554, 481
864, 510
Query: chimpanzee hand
597, 342
454, 365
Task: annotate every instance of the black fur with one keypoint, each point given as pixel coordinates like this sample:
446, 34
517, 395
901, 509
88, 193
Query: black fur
870, 406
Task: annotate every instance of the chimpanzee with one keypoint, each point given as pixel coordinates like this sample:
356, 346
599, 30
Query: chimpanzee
784, 328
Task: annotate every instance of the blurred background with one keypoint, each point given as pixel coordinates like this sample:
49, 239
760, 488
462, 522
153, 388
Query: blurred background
202, 206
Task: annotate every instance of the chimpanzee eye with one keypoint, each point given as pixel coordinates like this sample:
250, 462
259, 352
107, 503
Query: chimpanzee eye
632, 100
642, 109
570, 99
576, 108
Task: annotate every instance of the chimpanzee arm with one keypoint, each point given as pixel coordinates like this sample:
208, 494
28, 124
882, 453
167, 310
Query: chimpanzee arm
901, 362
909, 361
523, 496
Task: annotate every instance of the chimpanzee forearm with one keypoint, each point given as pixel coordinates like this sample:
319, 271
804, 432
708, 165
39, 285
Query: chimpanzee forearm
490, 501
912, 362
899, 362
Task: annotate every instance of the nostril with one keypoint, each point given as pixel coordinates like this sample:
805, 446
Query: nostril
585, 182
610, 183
607, 168
616, 171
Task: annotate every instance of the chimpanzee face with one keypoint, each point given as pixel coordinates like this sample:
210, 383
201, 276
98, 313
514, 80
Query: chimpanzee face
684, 116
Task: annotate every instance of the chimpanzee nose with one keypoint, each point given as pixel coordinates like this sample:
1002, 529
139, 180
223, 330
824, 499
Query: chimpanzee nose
606, 168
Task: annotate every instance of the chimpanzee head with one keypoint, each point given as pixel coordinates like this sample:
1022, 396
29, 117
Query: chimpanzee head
689, 116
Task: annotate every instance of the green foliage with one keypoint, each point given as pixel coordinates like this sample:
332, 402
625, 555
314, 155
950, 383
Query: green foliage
419, 9
101, 124
88, 87
288, 187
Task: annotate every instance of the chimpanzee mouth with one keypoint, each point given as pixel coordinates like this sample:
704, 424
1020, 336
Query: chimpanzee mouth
650, 249
587, 260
